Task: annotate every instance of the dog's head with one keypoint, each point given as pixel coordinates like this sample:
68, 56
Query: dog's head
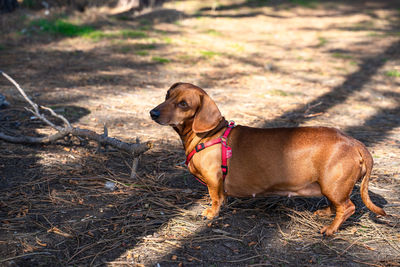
185, 102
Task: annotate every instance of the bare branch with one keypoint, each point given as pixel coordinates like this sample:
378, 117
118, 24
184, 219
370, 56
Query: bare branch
22, 92
61, 117
35, 110
33, 140
44, 119
135, 164
105, 130
134, 149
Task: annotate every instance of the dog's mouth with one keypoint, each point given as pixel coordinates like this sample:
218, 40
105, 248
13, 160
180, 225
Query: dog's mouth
160, 122
163, 123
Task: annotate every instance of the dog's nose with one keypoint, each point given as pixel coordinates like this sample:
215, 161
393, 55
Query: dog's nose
154, 113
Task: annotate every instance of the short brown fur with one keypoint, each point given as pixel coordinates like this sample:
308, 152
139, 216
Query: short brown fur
302, 161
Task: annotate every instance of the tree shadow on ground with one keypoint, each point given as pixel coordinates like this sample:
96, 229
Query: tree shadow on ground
354, 83
16, 121
23, 174
163, 15
80, 71
63, 212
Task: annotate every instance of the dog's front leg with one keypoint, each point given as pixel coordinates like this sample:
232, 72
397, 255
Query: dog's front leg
216, 191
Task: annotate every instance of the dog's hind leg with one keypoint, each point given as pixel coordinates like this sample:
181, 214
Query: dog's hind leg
343, 211
336, 184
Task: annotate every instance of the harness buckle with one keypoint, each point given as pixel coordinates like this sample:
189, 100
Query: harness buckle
224, 169
224, 137
200, 147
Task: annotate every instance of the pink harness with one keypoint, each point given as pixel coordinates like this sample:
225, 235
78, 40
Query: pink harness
226, 151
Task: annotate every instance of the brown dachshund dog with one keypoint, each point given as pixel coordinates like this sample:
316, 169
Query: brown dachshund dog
302, 161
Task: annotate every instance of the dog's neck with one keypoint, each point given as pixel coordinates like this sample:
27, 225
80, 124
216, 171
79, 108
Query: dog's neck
190, 139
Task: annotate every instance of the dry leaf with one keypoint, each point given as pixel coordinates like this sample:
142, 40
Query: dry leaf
22, 212
368, 247
58, 232
252, 243
28, 248
40, 243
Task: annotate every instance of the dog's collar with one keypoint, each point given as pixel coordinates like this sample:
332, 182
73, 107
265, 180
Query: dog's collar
226, 151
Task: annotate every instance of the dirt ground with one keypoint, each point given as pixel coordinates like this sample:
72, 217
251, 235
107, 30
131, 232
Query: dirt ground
265, 63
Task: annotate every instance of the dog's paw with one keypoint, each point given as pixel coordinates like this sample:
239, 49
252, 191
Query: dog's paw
209, 213
324, 212
328, 230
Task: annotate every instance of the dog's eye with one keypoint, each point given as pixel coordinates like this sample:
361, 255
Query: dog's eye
182, 104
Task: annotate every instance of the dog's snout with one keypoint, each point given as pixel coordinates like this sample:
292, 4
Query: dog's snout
154, 113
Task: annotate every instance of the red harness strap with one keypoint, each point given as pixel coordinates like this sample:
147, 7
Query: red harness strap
226, 151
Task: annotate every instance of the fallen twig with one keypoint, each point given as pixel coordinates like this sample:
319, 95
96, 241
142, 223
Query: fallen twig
25, 255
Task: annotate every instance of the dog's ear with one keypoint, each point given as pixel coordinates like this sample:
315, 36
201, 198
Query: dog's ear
207, 116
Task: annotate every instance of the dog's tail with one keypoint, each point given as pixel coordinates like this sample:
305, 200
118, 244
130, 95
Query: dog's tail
366, 163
